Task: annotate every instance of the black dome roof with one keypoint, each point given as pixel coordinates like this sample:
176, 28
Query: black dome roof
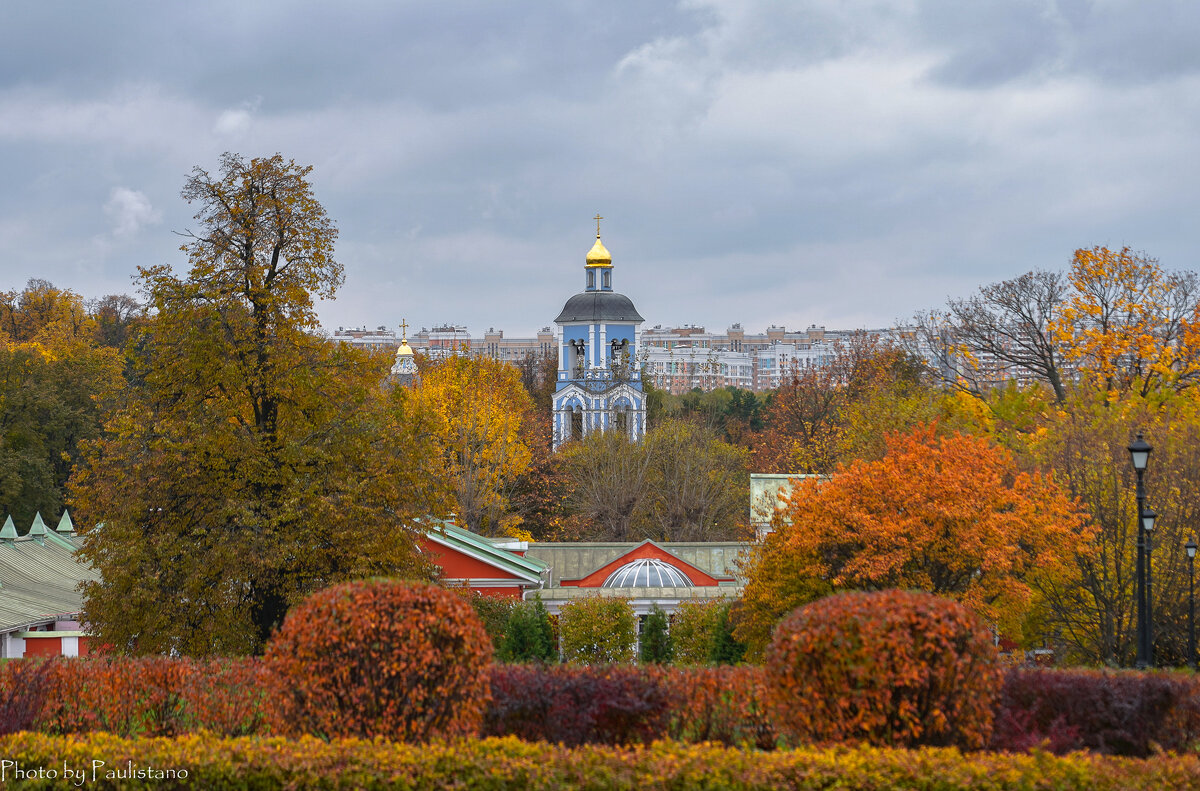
599, 306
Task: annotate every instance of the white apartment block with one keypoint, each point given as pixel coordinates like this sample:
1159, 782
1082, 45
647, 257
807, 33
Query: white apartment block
452, 339
675, 359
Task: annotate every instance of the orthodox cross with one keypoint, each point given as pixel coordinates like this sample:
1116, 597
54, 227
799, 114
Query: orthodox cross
597, 218
403, 329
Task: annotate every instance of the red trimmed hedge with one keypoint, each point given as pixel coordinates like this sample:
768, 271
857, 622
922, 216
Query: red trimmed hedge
889, 668
1111, 712
150, 696
612, 704
406, 661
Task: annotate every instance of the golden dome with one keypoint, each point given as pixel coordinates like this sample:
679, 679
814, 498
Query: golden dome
598, 255
405, 350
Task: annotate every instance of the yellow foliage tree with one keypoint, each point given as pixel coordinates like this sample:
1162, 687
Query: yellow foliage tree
1130, 325
480, 418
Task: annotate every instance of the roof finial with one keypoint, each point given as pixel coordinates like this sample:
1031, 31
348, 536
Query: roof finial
403, 330
597, 218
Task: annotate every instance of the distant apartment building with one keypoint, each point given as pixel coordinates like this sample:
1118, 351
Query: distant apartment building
680, 359
451, 339
675, 359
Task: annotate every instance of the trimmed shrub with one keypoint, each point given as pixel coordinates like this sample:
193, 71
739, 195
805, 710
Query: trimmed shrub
888, 668
216, 764
402, 660
1113, 712
615, 704
720, 704
529, 636
656, 638
598, 630
146, 696
23, 688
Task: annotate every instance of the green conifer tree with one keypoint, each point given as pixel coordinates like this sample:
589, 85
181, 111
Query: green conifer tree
528, 636
656, 638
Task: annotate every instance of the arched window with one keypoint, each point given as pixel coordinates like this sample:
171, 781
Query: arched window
577, 423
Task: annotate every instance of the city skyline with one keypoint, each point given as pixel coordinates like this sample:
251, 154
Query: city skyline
836, 164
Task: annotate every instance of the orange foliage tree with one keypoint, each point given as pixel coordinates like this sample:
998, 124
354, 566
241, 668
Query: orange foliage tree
948, 515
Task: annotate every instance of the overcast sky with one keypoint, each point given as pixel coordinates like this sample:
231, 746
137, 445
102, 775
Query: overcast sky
800, 162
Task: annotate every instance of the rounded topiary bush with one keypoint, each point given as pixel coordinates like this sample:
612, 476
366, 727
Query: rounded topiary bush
887, 668
406, 661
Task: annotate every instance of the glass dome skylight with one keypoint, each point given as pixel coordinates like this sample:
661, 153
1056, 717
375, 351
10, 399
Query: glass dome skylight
647, 573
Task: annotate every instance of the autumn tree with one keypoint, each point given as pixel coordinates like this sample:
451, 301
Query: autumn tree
1116, 319
251, 462
679, 483
699, 489
823, 415
115, 316
1013, 325
1133, 325
949, 515
55, 382
482, 426
608, 482
1092, 618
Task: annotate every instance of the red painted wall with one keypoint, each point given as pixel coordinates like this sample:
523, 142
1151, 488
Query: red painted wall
457, 566
83, 646
43, 646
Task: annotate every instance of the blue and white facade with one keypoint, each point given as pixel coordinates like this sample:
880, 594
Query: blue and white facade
599, 333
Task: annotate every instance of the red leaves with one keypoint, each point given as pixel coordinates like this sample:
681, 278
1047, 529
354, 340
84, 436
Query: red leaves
890, 668
405, 661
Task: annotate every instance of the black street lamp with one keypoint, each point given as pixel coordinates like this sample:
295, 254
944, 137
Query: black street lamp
1190, 548
1139, 454
1148, 517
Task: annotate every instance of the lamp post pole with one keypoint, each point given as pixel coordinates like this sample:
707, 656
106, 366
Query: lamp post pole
1148, 517
1139, 453
1190, 547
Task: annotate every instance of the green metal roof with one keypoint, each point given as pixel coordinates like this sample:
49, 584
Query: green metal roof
486, 550
39, 580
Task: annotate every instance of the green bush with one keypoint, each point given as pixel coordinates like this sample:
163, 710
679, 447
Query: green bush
494, 613
656, 638
888, 668
597, 630
702, 633
692, 631
529, 637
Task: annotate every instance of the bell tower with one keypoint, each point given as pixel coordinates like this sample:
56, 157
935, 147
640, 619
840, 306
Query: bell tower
599, 385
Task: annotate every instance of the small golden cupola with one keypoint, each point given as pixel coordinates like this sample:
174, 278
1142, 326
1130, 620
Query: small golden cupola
598, 260
598, 255
404, 370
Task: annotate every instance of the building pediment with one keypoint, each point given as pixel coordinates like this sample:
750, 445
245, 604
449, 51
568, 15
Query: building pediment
648, 550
